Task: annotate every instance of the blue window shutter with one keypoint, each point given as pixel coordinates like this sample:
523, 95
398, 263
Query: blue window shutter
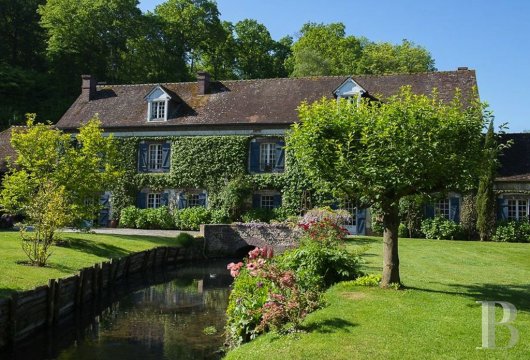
202, 199
280, 156
429, 211
142, 158
141, 200
164, 199
334, 205
454, 209
277, 201
361, 221
502, 209
254, 157
256, 201
166, 157
181, 200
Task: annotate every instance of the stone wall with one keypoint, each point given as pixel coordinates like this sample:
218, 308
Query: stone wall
226, 240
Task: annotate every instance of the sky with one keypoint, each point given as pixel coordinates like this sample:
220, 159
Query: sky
491, 37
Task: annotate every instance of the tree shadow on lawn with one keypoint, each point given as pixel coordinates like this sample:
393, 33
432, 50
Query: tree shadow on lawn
158, 240
95, 248
329, 326
516, 294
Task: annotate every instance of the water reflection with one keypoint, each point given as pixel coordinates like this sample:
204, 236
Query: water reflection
163, 321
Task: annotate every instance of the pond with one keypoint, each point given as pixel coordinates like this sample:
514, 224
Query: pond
177, 314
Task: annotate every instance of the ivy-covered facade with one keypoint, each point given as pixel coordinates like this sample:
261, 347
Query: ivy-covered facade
183, 144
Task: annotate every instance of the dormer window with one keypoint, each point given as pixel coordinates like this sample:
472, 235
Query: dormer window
350, 90
157, 104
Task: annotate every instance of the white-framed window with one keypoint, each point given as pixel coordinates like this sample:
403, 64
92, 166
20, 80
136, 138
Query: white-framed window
267, 202
351, 207
154, 200
154, 157
267, 156
517, 209
442, 208
158, 110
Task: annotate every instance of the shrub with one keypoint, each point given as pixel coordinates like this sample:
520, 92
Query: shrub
403, 231
219, 216
512, 231
185, 240
441, 228
337, 217
159, 218
367, 280
258, 215
265, 297
326, 232
192, 218
318, 266
128, 217
7, 221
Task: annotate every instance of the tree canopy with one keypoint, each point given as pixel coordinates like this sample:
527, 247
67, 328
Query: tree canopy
379, 152
46, 45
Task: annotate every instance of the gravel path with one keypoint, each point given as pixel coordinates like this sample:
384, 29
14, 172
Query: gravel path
120, 231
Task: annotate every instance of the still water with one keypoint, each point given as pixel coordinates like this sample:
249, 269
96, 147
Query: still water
178, 314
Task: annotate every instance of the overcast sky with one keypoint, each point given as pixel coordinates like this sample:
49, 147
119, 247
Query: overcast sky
492, 37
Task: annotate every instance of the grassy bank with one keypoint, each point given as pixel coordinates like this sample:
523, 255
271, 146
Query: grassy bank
81, 250
436, 317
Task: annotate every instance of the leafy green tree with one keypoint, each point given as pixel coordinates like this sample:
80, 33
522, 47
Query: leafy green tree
51, 165
379, 153
193, 25
324, 50
485, 193
86, 36
384, 58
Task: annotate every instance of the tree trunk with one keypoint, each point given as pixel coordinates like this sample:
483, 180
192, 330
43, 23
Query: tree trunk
390, 245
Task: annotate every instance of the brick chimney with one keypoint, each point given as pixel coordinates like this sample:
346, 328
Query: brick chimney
203, 79
463, 68
88, 87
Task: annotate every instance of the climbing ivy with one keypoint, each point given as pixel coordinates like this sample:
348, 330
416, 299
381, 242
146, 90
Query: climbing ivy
207, 162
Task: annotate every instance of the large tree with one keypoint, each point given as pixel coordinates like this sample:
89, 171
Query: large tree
380, 152
50, 164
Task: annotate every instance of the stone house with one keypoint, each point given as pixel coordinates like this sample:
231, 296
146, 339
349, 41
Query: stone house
258, 112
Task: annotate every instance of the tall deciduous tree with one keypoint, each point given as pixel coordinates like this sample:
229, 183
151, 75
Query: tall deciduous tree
48, 159
407, 144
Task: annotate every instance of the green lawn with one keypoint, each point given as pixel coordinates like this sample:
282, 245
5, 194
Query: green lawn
82, 250
436, 317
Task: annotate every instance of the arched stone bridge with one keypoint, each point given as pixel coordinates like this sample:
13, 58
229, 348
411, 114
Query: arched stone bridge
238, 239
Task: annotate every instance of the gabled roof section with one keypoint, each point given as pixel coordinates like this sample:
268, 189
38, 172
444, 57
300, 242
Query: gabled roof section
263, 102
157, 93
348, 88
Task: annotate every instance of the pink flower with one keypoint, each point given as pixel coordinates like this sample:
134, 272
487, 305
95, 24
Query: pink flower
254, 253
234, 268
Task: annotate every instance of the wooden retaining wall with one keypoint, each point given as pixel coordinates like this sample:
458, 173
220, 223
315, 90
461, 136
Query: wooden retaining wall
28, 312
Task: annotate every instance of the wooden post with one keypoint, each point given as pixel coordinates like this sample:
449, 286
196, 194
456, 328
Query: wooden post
50, 312
166, 251
12, 319
57, 301
79, 292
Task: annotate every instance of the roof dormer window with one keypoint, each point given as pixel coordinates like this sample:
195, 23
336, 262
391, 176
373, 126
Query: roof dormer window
350, 90
157, 104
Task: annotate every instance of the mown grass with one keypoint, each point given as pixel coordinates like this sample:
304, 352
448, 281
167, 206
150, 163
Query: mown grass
435, 317
79, 251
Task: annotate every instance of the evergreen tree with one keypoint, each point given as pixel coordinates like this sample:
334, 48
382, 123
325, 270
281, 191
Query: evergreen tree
485, 193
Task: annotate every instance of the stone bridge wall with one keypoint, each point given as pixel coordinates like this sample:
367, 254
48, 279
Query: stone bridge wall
226, 240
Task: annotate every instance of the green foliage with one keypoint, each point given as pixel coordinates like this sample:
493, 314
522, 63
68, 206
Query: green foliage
192, 218
48, 161
185, 239
325, 49
258, 215
411, 214
485, 192
512, 231
233, 195
128, 216
468, 216
366, 280
440, 228
318, 266
247, 297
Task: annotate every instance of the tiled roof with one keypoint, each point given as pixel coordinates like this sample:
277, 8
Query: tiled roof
515, 161
246, 102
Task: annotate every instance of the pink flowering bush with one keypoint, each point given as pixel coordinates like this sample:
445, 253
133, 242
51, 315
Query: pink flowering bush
265, 297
